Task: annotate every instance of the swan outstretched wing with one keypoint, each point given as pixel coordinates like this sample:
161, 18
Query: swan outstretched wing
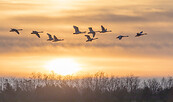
88, 37
38, 35
76, 29
103, 29
141, 32
90, 29
16, 31
50, 36
94, 34
120, 38
55, 38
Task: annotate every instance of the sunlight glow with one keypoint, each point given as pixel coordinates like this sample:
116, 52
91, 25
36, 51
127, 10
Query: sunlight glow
63, 66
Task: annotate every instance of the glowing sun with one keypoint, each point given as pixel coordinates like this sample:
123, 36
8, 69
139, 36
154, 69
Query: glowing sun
63, 66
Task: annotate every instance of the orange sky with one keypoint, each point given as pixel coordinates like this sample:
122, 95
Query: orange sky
150, 55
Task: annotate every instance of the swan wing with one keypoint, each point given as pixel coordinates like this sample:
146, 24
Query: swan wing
55, 38
90, 29
38, 35
88, 37
17, 31
120, 38
50, 36
141, 32
76, 29
103, 29
94, 34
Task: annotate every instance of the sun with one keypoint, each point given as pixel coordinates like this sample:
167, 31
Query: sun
63, 66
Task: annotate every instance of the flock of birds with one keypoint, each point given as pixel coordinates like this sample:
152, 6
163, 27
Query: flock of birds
77, 31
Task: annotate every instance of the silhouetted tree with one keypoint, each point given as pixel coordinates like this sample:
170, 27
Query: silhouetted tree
96, 88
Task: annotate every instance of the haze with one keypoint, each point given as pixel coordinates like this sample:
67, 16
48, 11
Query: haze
150, 55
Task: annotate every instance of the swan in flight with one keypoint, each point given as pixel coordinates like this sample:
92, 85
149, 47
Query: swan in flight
50, 37
36, 33
120, 37
140, 34
104, 30
56, 39
15, 30
89, 38
91, 31
77, 30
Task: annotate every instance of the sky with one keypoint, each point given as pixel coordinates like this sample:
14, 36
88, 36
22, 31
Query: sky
150, 55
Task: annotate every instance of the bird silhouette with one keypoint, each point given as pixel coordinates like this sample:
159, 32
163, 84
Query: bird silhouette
77, 30
56, 39
91, 31
15, 30
50, 37
37, 33
104, 30
89, 38
140, 34
120, 37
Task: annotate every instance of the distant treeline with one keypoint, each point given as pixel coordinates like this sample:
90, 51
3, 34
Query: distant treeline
96, 88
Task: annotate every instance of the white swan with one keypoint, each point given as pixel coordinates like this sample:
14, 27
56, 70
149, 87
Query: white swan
50, 37
89, 38
15, 30
140, 34
56, 39
36, 33
104, 30
77, 30
120, 37
91, 31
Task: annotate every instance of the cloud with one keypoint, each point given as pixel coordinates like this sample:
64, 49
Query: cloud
106, 17
80, 19
12, 6
133, 15
141, 46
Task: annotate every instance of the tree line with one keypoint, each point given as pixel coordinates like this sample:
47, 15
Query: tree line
95, 88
